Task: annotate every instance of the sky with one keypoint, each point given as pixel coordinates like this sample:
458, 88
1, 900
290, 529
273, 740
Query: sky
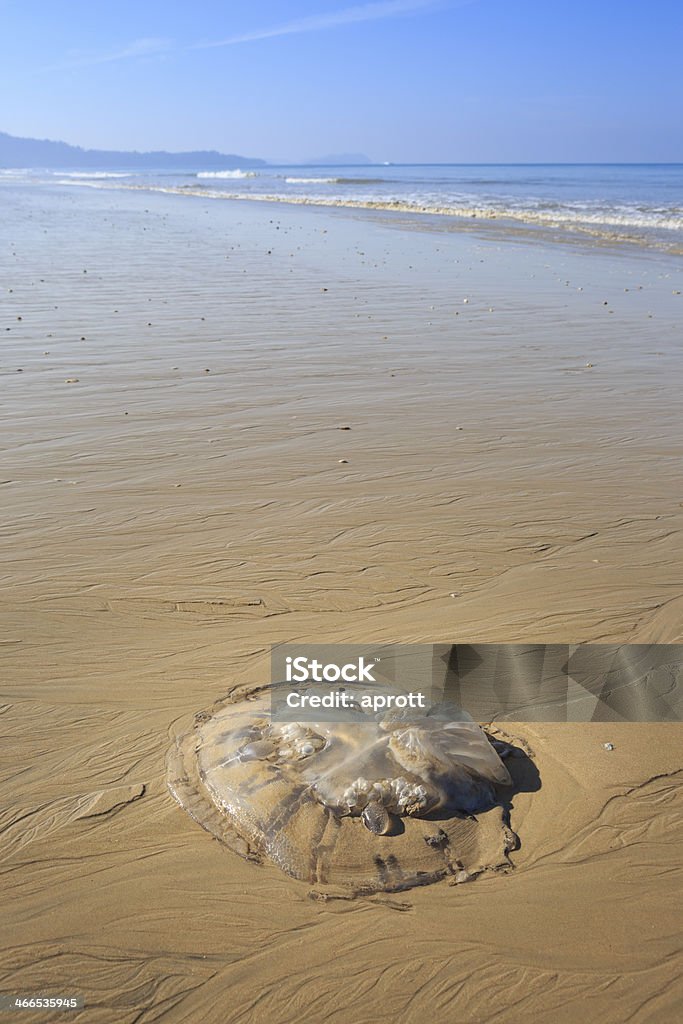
400, 80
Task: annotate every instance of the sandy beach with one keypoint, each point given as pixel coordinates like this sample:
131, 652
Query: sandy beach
228, 425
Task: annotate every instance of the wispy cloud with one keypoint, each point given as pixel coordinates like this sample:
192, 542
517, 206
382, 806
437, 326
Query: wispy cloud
334, 19
137, 48
156, 46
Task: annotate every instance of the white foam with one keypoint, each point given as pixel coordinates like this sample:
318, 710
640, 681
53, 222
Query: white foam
92, 174
312, 181
226, 174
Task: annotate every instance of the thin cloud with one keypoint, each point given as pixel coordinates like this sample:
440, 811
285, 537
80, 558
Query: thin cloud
156, 46
137, 48
321, 22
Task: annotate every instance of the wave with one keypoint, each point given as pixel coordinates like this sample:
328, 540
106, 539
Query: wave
312, 181
669, 220
362, 181
93, 174
227, 174
334, 181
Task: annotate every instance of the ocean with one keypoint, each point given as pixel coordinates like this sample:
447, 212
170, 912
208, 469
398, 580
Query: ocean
636, 203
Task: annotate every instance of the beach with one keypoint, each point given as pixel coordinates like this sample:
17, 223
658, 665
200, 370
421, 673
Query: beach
232, 424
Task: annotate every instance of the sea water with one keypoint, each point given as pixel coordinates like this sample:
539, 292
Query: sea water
641, 203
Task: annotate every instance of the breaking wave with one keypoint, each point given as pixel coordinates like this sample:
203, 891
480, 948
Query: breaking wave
93, 174
227, 174
334, 181
312, 181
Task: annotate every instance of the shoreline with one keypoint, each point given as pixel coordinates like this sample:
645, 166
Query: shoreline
552, 229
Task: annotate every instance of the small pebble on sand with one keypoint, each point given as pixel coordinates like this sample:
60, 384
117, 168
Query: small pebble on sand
608, 746
71, 380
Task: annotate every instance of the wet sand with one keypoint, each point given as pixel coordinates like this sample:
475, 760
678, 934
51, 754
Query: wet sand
512, 472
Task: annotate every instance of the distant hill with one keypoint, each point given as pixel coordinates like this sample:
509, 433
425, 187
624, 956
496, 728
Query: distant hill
17, 152
338, 160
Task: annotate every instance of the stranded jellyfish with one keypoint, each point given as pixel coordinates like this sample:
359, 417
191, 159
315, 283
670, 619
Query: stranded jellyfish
381, 800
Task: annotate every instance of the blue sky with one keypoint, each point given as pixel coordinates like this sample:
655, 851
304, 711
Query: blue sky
401, 80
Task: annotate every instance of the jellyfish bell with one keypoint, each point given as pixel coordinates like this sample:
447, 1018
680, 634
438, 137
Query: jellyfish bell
349, 799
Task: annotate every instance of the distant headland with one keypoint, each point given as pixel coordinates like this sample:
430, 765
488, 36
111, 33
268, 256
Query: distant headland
19, 152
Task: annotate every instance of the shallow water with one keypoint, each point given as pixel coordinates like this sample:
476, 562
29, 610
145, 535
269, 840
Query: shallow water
637, 203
